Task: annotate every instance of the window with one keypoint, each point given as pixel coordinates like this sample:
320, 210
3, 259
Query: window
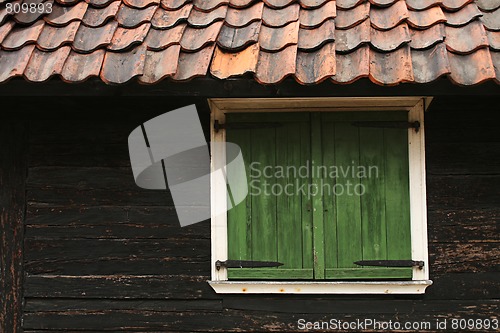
331, 182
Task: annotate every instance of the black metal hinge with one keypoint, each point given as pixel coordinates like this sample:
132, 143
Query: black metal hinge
391, 263
246, 264
388, 124
238, 126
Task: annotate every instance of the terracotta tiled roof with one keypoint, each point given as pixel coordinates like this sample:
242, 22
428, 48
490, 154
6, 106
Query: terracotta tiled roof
388, 41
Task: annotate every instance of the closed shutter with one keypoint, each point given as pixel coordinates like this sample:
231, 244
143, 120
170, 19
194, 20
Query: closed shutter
372, 221
320, 234
269, 227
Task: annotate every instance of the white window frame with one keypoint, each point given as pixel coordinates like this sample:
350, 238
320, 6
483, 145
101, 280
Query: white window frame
418, 208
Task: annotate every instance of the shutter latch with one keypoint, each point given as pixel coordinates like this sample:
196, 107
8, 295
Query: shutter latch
391, 263
388, 124
246, 264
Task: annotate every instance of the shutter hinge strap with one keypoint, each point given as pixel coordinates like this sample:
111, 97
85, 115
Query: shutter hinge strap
391, 263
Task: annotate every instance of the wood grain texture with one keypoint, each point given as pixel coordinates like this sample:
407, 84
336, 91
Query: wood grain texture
463, 178
13, 167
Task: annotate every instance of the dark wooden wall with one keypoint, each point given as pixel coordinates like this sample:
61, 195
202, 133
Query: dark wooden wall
101, 254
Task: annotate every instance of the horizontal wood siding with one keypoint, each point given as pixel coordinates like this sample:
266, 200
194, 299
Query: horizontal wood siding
102, 254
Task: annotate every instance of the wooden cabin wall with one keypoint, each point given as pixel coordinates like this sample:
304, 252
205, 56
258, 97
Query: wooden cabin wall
100, 254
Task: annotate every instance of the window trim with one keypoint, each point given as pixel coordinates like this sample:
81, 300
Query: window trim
418, 208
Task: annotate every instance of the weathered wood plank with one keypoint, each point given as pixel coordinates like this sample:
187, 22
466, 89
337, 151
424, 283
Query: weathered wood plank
119, 286
463, 158
465, 226
463, 257
116, 248
463, 191
13, 166
228, 320
57, 304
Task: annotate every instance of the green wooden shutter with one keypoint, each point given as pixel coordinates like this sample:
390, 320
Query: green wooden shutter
376, 224
321, 236
271, 227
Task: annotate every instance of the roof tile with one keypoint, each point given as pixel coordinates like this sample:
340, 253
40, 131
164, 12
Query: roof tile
349, 18
316, 66
20, 36
163, 19
312, 18
194, 39
14, 62
160, 64
495, 58
273, 39
278, 3
488, 5
43, 64
422, 39
491, 20
348, 40
352, 66
132, 18
96, 17
466, 39
174, 4
426, 18
63, 15
225, 65
454, 5
241, 3
493, 38
383, 3
312, 3
276, 39
471, 69
280, 17
463, 16
201, 19
348, 4
430, 64
422, 4
53, 37
5, 29
29, 17
125, 38
161, 39
99, 3
390, 40
242, 17
79, 67
314, 38
120, 67
391, 68
209, 5
195, 64
274, 67
235, 39
88, 39
388, 18
141, 3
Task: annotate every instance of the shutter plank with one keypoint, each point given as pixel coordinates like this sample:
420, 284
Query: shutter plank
348, 209
397, 194
373, 228
329, 220
239, 239
264, 244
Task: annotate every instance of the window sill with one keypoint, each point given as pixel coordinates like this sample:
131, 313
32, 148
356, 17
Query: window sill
324, 287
